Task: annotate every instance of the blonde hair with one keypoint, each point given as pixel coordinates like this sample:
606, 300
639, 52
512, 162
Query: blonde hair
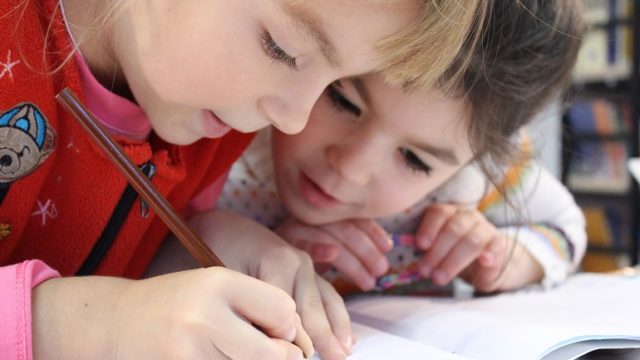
419, 55
446, 30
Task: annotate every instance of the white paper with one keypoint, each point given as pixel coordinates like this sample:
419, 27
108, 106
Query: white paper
377, 345
526, 324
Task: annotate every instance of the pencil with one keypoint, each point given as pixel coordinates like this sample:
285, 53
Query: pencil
176, 223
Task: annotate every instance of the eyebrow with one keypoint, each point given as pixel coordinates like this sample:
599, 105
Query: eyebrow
311, 25
446, 155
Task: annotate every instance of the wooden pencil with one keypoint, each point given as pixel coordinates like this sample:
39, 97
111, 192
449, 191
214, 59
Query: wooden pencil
176, 223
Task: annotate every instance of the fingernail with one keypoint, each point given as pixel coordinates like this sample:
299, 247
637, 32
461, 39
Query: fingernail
368, 283
381, 266
424, 242
347, 344
439, 277
425, 270
291, 334
388, 241
487, 259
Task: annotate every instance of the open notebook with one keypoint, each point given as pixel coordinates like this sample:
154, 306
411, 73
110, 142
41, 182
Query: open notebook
589, 312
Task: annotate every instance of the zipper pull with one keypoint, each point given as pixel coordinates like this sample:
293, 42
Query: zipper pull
149, 170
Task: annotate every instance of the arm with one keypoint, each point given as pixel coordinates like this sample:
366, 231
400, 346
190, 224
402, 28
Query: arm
550, 226
196, 314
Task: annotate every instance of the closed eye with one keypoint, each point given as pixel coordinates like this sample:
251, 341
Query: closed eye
275, 52
340, 102
414, 163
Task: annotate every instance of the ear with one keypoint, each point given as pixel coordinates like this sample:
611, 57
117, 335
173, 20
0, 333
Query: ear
48, 145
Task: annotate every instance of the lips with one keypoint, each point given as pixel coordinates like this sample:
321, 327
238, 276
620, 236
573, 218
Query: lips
314, 195
212, 125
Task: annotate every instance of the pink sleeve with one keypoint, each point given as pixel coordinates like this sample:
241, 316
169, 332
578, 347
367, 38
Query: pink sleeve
16, 282
206, 200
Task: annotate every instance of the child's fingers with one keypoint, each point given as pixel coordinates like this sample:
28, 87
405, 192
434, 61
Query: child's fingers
486, 278
360, 245
376, 233
433, 219
454, 229
322, 247
262, 345
323, 253
275, 312
351, 267
303, 340
311, 307
292, 352
466, 250
337, 314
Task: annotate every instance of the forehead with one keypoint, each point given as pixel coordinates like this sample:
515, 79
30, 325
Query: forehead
354, 27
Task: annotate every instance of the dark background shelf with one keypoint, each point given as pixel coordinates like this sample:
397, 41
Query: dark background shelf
617, 91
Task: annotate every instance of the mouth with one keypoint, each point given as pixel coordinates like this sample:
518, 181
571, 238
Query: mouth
212, 125
314, 194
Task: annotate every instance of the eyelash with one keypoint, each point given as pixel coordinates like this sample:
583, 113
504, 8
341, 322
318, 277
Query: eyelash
274, 51
341, 103
413, 161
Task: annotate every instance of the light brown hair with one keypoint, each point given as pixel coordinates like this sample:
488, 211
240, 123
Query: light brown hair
525, 57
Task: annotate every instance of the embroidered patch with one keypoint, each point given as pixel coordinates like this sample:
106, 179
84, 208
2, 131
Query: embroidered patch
5, 230
26, 140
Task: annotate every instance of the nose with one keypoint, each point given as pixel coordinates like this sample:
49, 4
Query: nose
6, 160
352, 160
289, 108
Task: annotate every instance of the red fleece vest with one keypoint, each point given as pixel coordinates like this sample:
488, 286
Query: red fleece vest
58, 189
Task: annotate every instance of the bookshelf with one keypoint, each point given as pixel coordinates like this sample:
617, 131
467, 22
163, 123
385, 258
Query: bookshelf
601, 132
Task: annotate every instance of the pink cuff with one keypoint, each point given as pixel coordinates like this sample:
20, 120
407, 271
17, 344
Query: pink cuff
206, 200
16, 282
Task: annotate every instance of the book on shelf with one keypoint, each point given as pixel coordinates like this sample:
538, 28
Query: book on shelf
589, 312
607, 226
599, 166
605, 54
599, 115
601, 11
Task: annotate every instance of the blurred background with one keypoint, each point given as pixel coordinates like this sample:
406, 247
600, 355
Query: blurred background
588, 142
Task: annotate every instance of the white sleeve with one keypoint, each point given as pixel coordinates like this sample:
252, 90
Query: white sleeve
548, 222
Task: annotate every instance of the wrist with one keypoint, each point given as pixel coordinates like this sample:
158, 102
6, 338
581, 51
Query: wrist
75, 317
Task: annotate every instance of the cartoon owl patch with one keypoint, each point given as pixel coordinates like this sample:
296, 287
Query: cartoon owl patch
26, 140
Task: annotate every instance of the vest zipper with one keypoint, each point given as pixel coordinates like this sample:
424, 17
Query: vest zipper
110, 232
4, 190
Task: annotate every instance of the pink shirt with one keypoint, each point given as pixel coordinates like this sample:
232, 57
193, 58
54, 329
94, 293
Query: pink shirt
16, 282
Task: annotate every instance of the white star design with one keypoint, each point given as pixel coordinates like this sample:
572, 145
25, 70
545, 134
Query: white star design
6, 66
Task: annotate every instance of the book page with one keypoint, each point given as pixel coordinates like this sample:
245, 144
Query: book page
377, 345
525, 324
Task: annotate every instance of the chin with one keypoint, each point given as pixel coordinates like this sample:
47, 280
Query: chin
177, 138
314, 217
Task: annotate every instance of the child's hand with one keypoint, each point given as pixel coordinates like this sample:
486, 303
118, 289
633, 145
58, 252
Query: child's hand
249, 247
197, 314
461, 241
455, 238
355, 247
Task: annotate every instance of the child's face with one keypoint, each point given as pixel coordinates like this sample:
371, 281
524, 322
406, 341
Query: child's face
249, 64
370, 150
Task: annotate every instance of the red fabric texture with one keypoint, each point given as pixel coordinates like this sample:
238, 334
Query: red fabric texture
57, 212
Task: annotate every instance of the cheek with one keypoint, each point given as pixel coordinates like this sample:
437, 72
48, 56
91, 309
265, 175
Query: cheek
397, 195
201, 65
